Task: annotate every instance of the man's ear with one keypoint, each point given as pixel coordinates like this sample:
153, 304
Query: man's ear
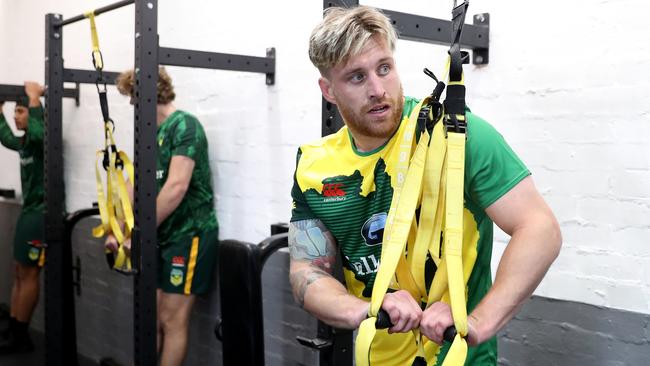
326, 88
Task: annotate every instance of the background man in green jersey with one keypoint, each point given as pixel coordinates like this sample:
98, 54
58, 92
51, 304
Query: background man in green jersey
335, 213
29, 253
187, 224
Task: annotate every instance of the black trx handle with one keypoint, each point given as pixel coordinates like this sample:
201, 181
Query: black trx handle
383, 322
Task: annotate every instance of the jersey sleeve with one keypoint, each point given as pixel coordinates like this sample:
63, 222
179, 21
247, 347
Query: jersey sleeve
300, 209
7, 137
35, 125
37, 112
187, 139
491, 167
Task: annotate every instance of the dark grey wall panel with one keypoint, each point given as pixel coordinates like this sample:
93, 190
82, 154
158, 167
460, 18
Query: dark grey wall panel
283, 319
104, 308
555, 332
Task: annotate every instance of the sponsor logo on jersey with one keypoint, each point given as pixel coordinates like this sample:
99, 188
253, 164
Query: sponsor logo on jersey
333, 192
372, 230
178, 261
26, 161
176, 277
365, 265
159, 174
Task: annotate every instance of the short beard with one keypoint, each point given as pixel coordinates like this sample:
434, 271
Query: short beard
357, 120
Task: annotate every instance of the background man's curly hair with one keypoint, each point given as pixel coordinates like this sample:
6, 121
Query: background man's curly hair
126, 81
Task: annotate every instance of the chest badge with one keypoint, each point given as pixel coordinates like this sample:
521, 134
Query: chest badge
373, 229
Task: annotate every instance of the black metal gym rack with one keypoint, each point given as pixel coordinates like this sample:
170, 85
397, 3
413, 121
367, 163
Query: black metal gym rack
59, 301
11, 93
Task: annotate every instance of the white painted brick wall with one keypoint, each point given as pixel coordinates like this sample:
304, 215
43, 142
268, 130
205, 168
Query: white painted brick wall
567, 85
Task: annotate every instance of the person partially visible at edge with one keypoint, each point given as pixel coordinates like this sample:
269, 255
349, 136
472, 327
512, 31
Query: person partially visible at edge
185, 215
343, 186
28, 249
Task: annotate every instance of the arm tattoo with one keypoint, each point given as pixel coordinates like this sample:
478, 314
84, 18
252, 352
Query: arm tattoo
311, 241
302, 279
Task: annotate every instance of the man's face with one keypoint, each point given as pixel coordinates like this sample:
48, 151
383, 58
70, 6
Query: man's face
21, 116
367, 91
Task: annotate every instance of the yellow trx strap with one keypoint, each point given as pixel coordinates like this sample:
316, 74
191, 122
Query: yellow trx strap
114, 203
398, 225
434, 179
98, 60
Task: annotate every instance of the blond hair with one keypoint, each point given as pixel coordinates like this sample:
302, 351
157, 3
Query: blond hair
125, 84
343, 33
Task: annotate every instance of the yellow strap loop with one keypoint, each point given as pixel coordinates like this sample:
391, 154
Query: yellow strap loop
398, 226
401, 212
98, 61
115, 205
453, 249
102, 229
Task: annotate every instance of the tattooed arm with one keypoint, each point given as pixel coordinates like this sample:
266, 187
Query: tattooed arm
313, 253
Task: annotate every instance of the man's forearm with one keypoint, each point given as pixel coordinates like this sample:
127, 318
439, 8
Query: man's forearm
170, 196
325, 297
529, 254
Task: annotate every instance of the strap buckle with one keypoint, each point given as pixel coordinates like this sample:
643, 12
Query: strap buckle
453, 124
118, 161
98, 60
112, 149
106, 161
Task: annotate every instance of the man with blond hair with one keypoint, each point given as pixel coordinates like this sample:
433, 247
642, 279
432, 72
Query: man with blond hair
353, 50
187, 224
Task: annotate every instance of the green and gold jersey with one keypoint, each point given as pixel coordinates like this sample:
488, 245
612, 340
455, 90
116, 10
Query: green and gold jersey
351, 191
30, 148
182, 134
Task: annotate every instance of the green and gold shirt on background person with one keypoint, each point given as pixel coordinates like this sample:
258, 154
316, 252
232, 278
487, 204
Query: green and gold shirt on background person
351, 192
182, 134
30, 148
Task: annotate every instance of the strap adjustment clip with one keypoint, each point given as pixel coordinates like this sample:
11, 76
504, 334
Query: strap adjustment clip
453, 124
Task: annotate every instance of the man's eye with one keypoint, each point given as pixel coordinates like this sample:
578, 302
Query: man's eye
356, 78
384, 69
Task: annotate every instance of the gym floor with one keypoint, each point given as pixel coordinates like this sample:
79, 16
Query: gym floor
37, 357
